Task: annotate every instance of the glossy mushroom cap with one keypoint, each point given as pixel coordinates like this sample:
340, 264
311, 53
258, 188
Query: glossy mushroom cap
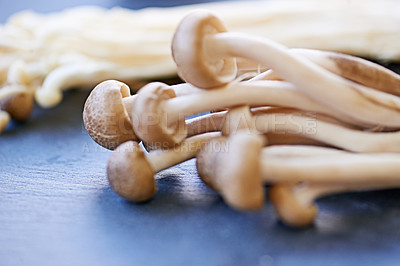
105, 116
151, 122
234, 170
19, 106
195, 63
290, 210
129, 173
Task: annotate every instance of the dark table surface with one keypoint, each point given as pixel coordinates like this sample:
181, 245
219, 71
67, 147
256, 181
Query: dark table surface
56, 207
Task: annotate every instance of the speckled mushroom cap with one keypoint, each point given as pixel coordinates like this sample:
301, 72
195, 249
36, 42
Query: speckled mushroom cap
290, 210
129, 173
19, 106
194, 64
234, 169
150, 121
105, 116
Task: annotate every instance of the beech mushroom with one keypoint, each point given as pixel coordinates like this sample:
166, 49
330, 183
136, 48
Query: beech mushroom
295, 204
159, 115
205, 56
131, 172
106, 113
228, 168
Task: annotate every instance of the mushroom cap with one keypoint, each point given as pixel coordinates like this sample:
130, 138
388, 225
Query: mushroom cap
129, 173
105, 116
234, 170
290, 210
150, 121
19, 105
189, 51
207, 157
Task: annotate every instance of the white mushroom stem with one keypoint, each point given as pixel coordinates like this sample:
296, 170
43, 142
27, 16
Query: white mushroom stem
259, 93
329, 133
342, 95
165, 158
334, 167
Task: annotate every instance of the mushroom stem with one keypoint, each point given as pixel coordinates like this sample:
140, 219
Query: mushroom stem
328, 166
165, 158
255, 93
326, 132
131, 172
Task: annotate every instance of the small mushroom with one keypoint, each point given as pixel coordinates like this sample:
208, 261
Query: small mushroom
131, 172
232, 168
204, 54
295, 203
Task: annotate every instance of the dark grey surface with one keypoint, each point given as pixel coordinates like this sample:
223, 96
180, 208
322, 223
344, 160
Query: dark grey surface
56, 208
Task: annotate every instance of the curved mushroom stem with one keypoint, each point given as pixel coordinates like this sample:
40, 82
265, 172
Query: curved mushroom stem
215, 47
131, 172
295, 204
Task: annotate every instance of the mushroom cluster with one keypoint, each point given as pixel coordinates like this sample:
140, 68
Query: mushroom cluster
44, 54
313, 124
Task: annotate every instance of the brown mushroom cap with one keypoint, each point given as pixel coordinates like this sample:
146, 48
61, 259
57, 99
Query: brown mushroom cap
190, 54
290, 210
19, 105
206, 159
149, 120
129, 173
105, 116
234, 170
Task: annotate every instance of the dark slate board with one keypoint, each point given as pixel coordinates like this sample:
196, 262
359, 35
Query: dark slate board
56, 207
